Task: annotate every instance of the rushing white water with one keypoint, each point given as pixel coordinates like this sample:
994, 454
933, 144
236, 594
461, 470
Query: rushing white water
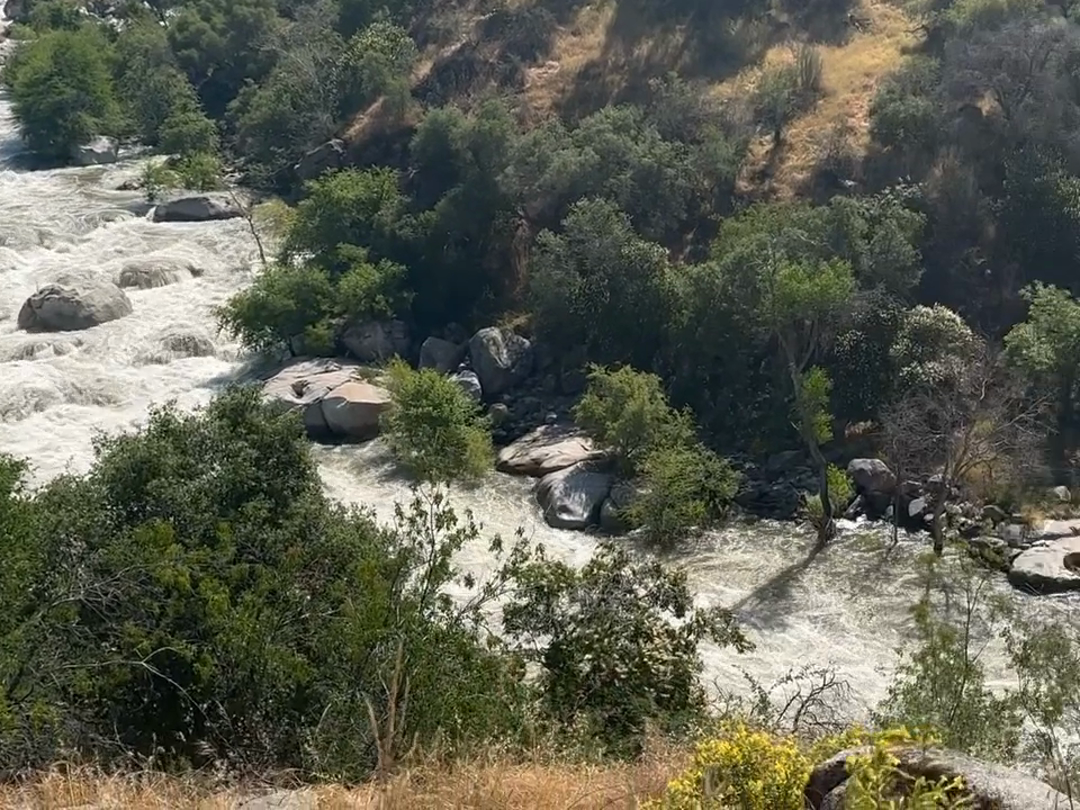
847, 608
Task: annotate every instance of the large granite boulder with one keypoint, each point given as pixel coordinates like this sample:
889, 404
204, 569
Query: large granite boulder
501, 359
546, 449
97, 152
335, 404
992, 787
352, 410
147, 274
73, 302
323, 158
612, 513
376, 341
441, 355
1048, 566
202, 208
469, 383
872, 476
572, 498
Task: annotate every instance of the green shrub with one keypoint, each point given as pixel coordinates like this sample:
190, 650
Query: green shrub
63, 91
684, 487
189, 132
434, 428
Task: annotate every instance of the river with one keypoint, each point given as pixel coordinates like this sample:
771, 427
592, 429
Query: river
848, 608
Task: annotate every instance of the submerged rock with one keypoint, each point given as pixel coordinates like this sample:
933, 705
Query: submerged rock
572, 498
547, 449
1048, 567
73, 302
146, 274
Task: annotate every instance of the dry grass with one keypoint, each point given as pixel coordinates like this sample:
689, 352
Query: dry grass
851, 74
477, 786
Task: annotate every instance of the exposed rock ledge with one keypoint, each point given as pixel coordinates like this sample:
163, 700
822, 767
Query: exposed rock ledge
547, 449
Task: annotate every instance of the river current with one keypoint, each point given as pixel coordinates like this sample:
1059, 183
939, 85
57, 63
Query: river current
848, 608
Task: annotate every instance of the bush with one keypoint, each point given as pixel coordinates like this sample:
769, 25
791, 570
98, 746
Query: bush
195, 598
434, 428
841, 491
189, 132
63, 91
627, 412
684, 487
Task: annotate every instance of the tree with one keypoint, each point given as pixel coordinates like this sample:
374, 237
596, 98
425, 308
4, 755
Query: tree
1046, 347
617, 641
800, 306
434, 428
63, 91
979, 421
599, 286
933, 346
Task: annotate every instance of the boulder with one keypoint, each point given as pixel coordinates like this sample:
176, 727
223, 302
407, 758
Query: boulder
73, 302
546, 449
182, 342
441, 355
1048, 567
992, 787
376, 341
871, 475
469, 383
146, 274
994, 514
352, 410
783, 462
303, 384
499, 414
323, 158
623, 494
571, 498
201, 208
917, 508
1061, 494
97, 152
501, 359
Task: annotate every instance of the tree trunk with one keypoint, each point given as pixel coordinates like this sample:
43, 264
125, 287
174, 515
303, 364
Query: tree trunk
936, 529
827, 529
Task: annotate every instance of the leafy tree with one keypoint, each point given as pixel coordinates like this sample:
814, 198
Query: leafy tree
599, 286
63, 90
187, 131
627, 411
377, 62
1047, 348
434, 428
616, 640
932, 347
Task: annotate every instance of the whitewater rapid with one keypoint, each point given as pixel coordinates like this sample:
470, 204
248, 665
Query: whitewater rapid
847, 609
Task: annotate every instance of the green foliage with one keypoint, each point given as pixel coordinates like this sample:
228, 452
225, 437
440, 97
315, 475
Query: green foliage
377, 62
841, 491
627, 411
188, 132
941, 683
434, 429
877, 780
904, 114
812, 404
196, 598
932, 347
63, 91
684, 487
614, 681
599, 286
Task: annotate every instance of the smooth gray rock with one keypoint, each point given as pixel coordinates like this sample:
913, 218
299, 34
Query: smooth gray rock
995, 514
98, 152
545, 450
871, 475
73, 302
441, 355
993, 787
917, 507
376, 341
572, 498
1062, 494
1049, 566
179, 342
202, 208
501, 359
147, 274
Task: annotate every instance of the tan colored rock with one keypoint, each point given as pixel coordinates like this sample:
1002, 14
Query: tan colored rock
547, 449
352, 411
303, 384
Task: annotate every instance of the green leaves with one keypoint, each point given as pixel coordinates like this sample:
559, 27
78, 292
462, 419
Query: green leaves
433, 428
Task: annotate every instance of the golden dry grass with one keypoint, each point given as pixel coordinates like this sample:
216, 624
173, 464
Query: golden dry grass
851, 74
474, 786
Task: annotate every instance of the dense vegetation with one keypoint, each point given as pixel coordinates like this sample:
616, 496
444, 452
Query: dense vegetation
196, 598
